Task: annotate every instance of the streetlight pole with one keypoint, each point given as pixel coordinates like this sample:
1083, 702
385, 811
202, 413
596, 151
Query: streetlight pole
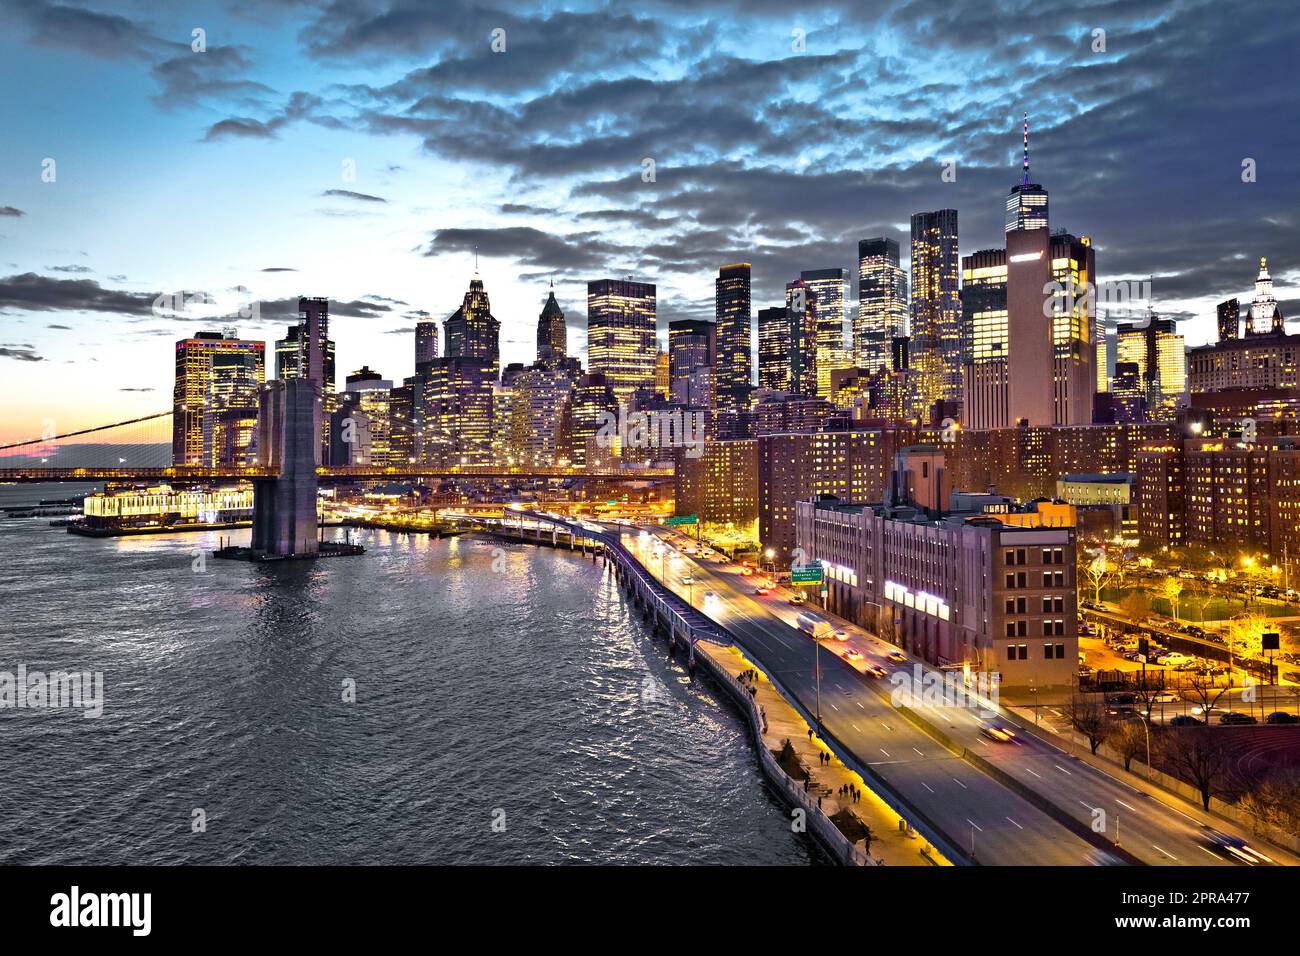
1147, 728
817, 669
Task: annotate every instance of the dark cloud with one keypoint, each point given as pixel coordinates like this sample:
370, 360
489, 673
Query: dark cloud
56, 326
73, 269
34, 293
137, 389
11, 211
22, 353
216, 73
105, 35
350, 194
279, 269
367, 307
582, 250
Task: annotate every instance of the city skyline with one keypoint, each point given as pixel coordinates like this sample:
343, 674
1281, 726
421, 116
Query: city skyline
219, 144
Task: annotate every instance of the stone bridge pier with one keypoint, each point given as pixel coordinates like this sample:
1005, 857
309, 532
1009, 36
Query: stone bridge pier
284, 508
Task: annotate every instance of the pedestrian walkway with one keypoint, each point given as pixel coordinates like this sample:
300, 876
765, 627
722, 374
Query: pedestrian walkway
889, 844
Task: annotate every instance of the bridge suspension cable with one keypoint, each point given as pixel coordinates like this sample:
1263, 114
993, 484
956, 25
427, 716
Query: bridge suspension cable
84, 431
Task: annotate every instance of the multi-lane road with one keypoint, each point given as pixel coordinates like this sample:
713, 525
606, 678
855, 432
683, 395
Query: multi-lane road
970, 806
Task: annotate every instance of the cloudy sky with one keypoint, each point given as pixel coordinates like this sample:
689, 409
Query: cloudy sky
362, 149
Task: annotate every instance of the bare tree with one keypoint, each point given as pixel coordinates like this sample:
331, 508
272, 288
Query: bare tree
1087, 714
1272, 799
1129, 739
1200, 756
1208, 691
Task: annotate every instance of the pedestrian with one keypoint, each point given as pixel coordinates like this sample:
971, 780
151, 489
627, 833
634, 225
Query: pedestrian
810, 733
819, 803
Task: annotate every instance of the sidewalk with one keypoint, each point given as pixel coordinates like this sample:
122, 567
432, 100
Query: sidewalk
888, 843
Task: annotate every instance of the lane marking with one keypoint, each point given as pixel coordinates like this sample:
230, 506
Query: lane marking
1126, 806
1167, 853
1035, 773
927, 786
960, 784
1018, 826
918, 752
1062, 769
885, 752
974, 824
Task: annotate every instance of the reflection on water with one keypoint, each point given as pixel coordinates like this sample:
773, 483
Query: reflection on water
530, 690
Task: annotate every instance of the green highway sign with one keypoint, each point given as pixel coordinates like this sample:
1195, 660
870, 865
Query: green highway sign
810, 573
683, 519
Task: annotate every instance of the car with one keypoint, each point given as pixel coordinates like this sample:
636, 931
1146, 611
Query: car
1233, 846
840, 634
1185, 720
1235, 717
1165, 697
1281, 717
761, 590
875, 670
1292, 676
797, 598
710, 597
851, 655
999, 732
897, 657
746, 571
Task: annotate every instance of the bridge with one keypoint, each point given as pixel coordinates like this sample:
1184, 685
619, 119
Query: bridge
285, 481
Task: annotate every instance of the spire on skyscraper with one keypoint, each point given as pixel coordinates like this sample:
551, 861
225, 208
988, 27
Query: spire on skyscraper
1025, 180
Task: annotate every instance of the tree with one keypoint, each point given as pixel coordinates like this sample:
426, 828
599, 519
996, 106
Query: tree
1171, 589
1199, 756
1207, 690
1245, 634
1135, 605
1098, 572
1272, 798
1129, 739
1087, 714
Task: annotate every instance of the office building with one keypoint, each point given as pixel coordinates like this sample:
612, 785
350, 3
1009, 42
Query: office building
733, 315
1265, 316
802, 310
935, 360
194, 380
456, 411
721, 485
692, 350
230, 410
1228, 314
829, 289
426, 343
621, 344
552, 335
472, 332
882, 302
978, 587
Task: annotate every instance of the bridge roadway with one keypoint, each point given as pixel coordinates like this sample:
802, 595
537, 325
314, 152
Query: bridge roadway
325, 475
1156, 828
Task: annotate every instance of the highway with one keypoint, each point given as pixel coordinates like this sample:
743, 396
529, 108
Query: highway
968, 804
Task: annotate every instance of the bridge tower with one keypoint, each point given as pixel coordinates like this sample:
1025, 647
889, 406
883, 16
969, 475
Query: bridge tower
284, 508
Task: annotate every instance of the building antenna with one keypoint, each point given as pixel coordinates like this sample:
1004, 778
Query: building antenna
1026, 179
476, 260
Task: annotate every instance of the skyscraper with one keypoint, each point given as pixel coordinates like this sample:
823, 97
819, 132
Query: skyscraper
1229, 317
936, 310
1074, 329
1265, 316
733, 314
621, 334
193, 385
1031, 390
230, 410
774, 327
692, 353
1158, 356
552, 337
882, 302
985, 342
803, 310
829, 288
1027, 202
426, 342
472, 331
455, 417
373, 396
